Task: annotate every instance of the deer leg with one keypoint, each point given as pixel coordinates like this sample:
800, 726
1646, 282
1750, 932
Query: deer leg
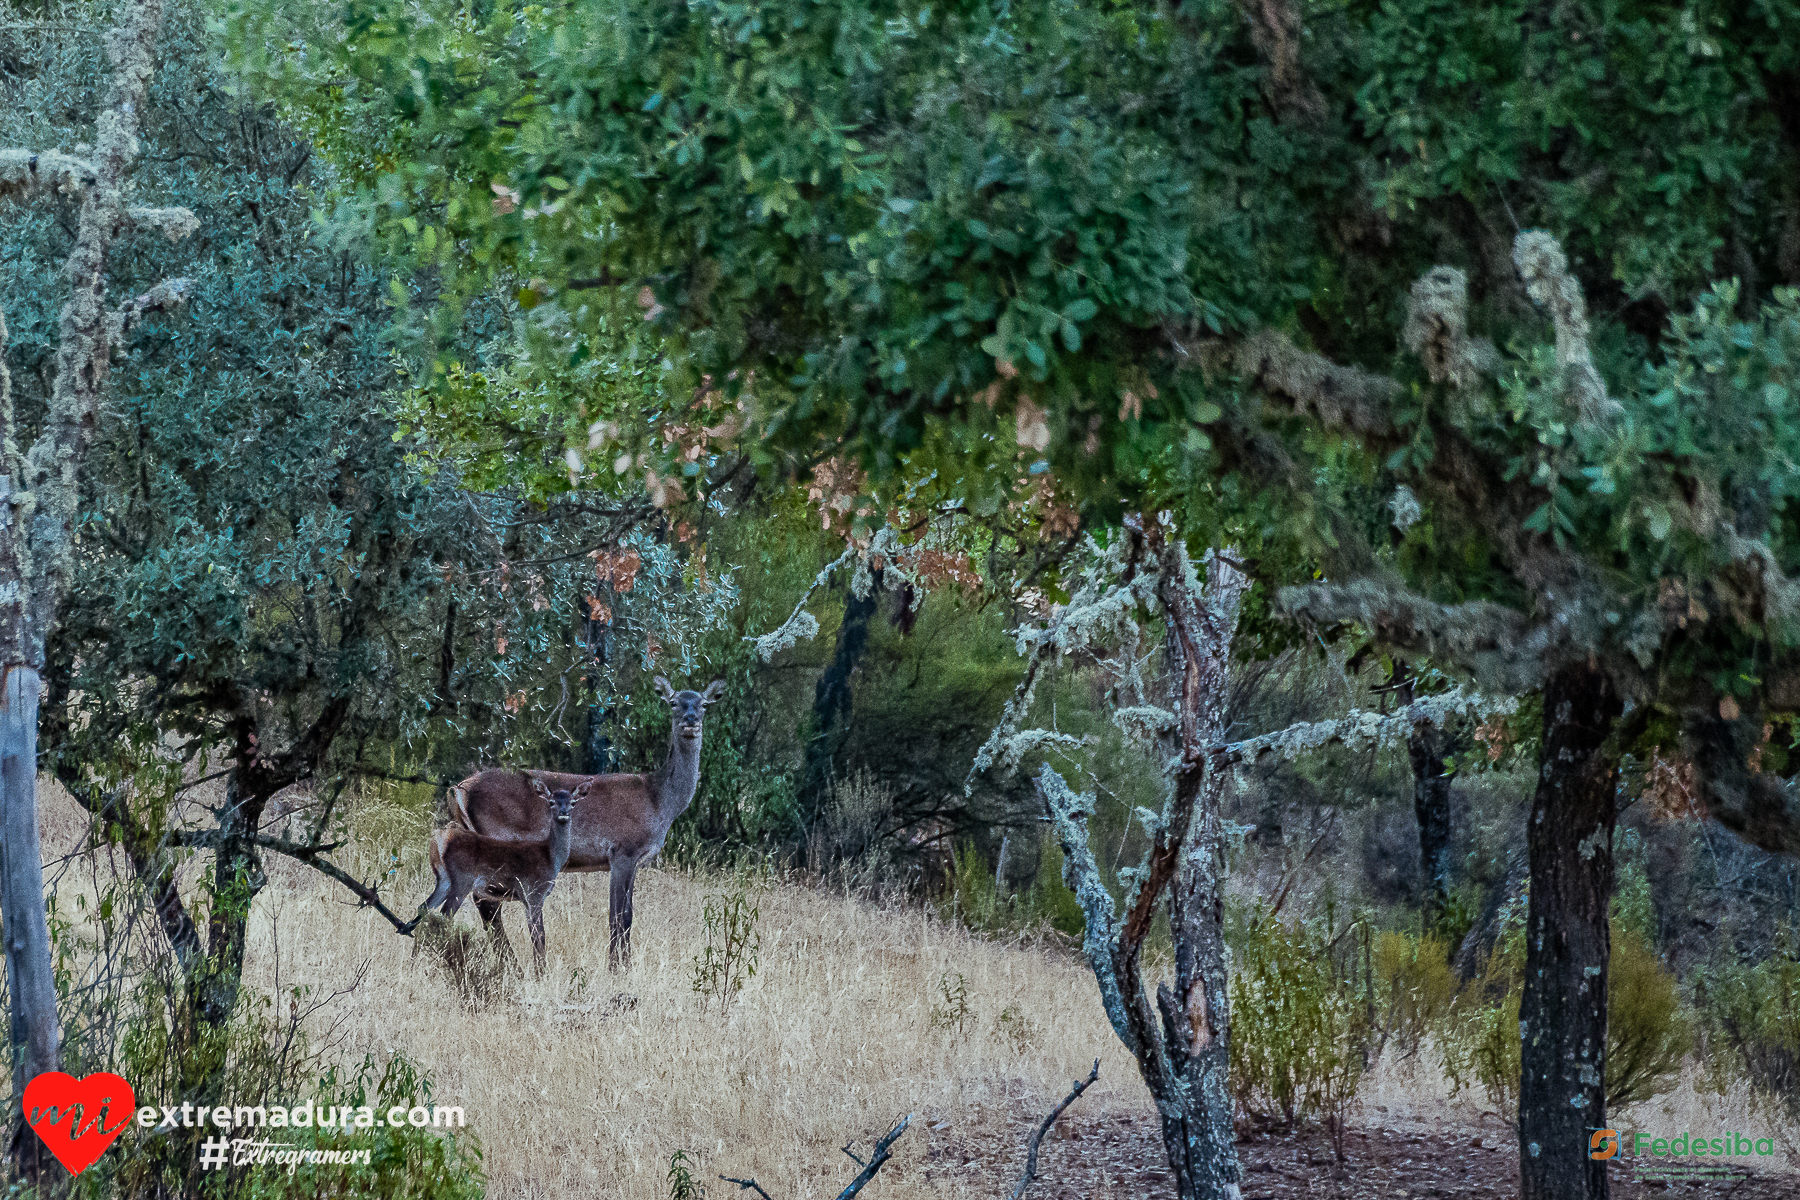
437, 897
624, 875
534, 920
490, 918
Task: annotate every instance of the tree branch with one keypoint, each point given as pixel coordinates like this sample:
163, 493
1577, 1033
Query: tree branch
1497, 645
881, 1155
26, 174
1031, 1147
1545, 270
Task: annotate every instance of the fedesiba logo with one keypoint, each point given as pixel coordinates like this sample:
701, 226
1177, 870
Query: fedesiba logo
1605, 1143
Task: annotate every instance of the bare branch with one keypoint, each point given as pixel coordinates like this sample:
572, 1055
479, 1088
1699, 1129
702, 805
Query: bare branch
1031, 1147
26, 174
883, 1152
881, 1155
1437, 329
1498, 646
1311, 385
172, 223
168, 294
310, 855
801, 625
1362, 728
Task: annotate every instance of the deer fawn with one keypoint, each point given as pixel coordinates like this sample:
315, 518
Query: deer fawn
493, 869
619, 826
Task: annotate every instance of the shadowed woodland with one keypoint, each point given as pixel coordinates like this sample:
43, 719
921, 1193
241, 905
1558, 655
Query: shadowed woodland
1190, 600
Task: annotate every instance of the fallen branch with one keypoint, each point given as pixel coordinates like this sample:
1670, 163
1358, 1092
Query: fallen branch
1031, 1147
881, 1155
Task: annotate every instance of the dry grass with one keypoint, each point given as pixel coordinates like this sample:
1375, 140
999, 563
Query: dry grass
583, 1083
574, 1093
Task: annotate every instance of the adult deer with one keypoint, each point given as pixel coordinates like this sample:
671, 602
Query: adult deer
620, 825
495, 869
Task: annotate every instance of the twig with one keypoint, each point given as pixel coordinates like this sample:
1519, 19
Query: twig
1031, 1147
880, 1156
311, 857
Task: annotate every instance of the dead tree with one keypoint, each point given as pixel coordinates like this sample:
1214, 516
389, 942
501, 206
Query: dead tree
1181, 1038
39, 493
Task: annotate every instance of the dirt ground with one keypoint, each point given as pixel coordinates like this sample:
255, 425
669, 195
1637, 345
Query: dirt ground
1115, 1157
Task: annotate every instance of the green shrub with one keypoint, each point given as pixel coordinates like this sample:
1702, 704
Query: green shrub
975, 901
405, 1162
1415, 988
1298, 1030
732, 949
954, 1013
1750, 1013
682, 1184
1647, 1033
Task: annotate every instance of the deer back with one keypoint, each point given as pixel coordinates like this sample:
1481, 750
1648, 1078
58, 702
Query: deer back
618, 815
513, 868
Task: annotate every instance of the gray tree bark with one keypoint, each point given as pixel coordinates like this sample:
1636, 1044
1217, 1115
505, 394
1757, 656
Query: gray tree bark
39, 495
1182, 1042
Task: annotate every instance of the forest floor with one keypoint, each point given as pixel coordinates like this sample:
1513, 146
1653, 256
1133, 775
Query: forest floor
1091, 1156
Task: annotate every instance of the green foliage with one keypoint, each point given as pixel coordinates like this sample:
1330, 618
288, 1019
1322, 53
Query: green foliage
406, 1162
973, 896
682, 1184
1415, 988
1648, 1033
1299, 1027
729, 957
1750, 1013
954, 1012
1016, 1031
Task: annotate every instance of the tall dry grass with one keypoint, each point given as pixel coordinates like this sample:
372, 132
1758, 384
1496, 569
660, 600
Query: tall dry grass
583, 1083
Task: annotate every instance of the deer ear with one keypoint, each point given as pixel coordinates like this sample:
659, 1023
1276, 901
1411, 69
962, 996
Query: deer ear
582, 791
663, 689
537, 785
714, 691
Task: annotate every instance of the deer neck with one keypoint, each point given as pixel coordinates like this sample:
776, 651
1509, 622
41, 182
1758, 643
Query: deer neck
674, 783
559, 845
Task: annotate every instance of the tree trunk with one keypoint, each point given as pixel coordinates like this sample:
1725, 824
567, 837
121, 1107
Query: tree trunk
39, 500
1181, 1041
832, 700
1426, 747
596, 746
1199, 1136
1562, 1015
31, 983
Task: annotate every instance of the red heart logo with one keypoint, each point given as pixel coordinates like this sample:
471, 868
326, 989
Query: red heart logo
52, 1101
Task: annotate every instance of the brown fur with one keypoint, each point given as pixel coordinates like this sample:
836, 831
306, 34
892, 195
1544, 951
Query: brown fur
620, 825
496, 869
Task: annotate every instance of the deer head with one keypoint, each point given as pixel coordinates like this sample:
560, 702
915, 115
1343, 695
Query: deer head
689, 707
560, 802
